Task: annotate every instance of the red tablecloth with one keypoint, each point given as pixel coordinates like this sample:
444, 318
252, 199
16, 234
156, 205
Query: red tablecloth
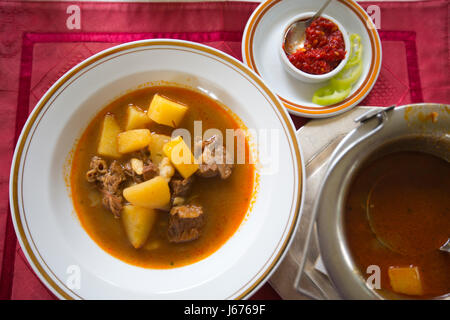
36, 48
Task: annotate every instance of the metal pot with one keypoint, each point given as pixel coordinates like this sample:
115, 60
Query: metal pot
421, 127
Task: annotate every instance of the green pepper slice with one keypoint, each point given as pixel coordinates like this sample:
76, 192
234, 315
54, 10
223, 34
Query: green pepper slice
355, 50
330, 95
347, 76
340, 85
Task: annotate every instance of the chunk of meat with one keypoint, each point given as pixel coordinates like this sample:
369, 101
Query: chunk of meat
109, 181
112, 180
185, 223
131, 173
180, 187
149, 171
111, 188
113, 203
215, 160
98, 167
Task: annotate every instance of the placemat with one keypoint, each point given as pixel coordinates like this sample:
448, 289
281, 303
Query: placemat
40, 41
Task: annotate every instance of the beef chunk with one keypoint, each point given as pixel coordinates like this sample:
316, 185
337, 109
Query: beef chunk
98, 167
113, 203
150, 171
112, 180
111, 188
185, 223
180, 187
109, 181
130, 173
214, 160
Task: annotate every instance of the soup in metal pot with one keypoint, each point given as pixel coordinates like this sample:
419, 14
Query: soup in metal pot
397, 215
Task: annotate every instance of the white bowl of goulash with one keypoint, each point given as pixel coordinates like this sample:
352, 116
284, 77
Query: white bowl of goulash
157, 169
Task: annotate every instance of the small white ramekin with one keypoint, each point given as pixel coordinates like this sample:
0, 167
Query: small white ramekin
304, 76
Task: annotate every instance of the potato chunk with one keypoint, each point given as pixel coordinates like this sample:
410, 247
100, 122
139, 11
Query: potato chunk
405, 280
138, 223
132, 140
153, 194
107, 145
136, 118
165, 111
156, 147
181, 157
